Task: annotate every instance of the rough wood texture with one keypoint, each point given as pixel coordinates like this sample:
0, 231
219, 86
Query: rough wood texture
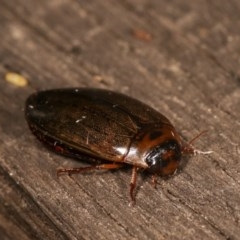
186, 66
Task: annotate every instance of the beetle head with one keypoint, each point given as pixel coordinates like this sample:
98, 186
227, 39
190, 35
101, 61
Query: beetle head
164, 159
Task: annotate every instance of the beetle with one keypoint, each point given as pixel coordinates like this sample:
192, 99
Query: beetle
107, 129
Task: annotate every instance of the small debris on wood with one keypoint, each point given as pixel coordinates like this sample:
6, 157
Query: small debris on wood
142, 35
16, 79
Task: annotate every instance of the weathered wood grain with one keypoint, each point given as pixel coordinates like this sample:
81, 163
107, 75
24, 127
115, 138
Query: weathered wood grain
189, 71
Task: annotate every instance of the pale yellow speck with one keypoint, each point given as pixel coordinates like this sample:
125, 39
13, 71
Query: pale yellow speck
16, 79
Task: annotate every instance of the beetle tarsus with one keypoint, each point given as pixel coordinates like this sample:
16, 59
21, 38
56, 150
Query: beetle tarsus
196, 152
133, 184
133, 200
154, 180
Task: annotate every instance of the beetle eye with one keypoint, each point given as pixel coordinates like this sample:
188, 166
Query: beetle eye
164, 158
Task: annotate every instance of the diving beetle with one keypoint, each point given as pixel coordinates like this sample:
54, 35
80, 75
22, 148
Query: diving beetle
107, 129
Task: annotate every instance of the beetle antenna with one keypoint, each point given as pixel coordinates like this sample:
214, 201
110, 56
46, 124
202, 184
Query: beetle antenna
196, 137
188, 148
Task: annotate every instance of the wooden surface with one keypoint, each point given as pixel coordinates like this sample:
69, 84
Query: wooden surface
181, 57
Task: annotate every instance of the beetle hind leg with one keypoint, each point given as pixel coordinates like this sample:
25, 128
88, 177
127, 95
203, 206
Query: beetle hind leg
71, 171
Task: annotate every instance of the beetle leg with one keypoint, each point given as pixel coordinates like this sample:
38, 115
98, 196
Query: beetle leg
133, 183
195, 152
70, 171
109, 166
154, 180
188, 148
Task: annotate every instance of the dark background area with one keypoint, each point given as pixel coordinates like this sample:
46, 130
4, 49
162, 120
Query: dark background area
180, 57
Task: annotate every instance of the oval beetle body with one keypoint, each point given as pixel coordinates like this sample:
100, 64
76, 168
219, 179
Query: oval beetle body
108, 128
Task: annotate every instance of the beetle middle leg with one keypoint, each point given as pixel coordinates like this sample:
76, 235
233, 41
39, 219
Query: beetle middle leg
70, 171
133, 183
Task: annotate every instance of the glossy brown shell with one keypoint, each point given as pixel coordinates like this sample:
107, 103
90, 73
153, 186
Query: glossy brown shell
99, 123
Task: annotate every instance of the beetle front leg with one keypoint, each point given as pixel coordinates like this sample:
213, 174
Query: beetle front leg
154, 180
